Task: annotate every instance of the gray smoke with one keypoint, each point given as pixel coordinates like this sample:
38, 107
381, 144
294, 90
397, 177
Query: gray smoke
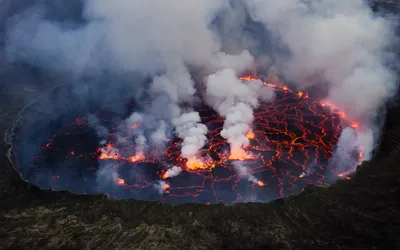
347, 144
336, 45
189, 127
177, 87
339, 44
161, 186
235, 100
243, 172
101, 131
173, 172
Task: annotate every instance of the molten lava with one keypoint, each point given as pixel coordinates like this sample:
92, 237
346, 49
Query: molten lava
291, 143
250, 134
197, 164
107, 153
120, 182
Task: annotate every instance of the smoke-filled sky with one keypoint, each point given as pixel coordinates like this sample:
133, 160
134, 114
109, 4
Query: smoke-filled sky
338, 46
337, 43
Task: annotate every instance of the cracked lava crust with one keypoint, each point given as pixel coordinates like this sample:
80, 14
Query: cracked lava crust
292, 142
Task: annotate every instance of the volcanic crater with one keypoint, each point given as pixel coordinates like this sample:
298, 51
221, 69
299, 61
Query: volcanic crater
292, 144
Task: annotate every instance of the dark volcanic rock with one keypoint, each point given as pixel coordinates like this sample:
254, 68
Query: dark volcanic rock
361, 213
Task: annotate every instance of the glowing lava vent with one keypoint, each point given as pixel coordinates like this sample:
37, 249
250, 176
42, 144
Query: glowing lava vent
291, 143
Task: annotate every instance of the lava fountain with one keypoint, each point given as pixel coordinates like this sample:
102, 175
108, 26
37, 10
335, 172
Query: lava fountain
292, 142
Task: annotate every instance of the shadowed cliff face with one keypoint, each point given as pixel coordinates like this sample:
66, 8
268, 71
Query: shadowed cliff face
361, 213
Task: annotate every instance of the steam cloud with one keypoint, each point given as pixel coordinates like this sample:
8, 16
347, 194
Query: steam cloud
235, 101
336, 45
173, 171
189, 127
243, 172
161, 186
340, 44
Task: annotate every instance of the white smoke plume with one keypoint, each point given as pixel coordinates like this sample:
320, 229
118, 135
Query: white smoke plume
307, 172
131, 128
339, 45
348, 144
243, 172
133, 120
335, 45
109, 150
128, 128
107, 175
235, 100
149, 37
135, 126
188, 126
239, 63
95, 123
365, 139
178, 87
161, 186
173, 172
159, 136
140, 144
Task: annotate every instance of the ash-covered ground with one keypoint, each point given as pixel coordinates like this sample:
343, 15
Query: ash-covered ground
360, 213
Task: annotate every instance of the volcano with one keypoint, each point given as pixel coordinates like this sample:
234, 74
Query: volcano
63, 104
292, 143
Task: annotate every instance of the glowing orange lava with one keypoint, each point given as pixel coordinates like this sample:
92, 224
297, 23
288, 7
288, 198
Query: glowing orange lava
291, 142
135, 158
120, 182
109, 152
239, 154
250, 134
236, 153
342, 175
260, 183
165, 187
194, 163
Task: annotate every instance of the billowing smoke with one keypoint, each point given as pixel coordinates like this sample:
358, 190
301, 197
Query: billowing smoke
101, 131
235, 100
351, 143
189, 128
243, 172
159, 137
172, 172
338, 46
107, 176
347, 145
161, 186
131, 127
174, 89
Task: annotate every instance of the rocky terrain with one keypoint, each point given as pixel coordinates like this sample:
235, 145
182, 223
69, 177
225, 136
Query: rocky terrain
360, 213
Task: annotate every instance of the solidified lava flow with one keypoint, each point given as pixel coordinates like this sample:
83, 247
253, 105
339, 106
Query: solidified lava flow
291, 142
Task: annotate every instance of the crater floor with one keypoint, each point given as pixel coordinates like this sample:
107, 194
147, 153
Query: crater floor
360, 213
292, 144
357, 213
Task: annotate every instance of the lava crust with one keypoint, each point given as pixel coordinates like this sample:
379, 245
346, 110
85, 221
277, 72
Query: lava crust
292, 142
